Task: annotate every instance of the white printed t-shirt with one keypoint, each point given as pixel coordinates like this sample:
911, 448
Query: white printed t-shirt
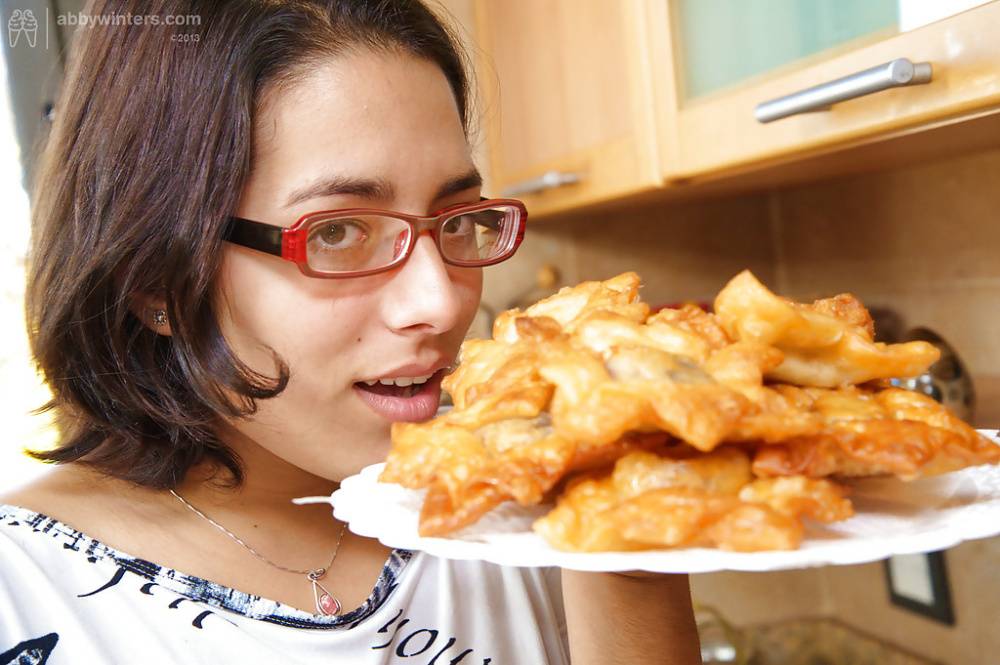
66, 598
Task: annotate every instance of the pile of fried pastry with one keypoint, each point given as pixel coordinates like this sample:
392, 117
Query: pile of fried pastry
678, 428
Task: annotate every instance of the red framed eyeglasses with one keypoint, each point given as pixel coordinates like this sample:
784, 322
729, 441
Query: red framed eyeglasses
355, 242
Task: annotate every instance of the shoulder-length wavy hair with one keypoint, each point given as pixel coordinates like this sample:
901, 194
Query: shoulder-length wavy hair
147, 156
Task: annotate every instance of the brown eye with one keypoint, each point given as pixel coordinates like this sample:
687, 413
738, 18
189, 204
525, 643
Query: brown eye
366, 242
333, 234
339, 235
462, 225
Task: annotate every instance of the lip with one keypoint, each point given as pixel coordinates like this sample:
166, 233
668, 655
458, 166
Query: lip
411, 370
417, 408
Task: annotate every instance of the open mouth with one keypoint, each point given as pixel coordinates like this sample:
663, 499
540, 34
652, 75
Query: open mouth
395, 390
417, 401
392, 390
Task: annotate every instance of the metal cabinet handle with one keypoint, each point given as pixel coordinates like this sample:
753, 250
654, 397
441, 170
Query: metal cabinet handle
894, 74
549, 180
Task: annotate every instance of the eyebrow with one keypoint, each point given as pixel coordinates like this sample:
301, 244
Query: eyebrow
374, 189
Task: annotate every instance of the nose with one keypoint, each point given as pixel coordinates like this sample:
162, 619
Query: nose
422, 296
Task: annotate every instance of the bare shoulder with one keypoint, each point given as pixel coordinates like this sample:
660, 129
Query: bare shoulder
59, 488
102, 507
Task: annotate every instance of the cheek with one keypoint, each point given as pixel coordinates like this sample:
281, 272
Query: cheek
469, 283
267, 304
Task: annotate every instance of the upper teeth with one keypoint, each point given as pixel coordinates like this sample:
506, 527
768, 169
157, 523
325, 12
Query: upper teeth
402, 382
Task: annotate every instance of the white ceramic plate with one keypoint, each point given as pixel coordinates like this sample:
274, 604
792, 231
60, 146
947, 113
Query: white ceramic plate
892, 517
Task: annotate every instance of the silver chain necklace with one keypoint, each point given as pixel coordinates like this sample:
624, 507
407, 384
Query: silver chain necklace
326, 603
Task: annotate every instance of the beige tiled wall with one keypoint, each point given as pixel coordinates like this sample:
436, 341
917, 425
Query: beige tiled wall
762, 598
858, 596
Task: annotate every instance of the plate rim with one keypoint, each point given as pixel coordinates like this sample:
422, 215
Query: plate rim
715, 560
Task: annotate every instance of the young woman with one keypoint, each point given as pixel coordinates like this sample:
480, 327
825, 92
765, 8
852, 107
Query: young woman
207, 366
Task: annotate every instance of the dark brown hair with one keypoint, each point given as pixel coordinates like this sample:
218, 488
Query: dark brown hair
147, 157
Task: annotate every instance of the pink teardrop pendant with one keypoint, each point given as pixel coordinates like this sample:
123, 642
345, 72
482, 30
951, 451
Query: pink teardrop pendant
326, 604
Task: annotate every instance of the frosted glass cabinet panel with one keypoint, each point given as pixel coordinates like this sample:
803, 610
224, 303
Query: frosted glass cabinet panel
723, 42
720, 43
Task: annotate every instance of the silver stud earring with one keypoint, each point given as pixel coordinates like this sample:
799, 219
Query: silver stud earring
159, 317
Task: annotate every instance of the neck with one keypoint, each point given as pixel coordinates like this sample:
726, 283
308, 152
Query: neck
269, 485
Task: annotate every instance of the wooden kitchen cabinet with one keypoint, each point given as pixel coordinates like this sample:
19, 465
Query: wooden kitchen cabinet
567, 100
705, 99
605, 98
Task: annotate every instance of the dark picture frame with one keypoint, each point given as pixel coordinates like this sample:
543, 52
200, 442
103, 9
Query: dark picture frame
940, 608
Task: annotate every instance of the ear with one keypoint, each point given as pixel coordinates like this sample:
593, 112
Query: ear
152, 311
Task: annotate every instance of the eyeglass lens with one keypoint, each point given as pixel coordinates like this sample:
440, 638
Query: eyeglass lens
368, 242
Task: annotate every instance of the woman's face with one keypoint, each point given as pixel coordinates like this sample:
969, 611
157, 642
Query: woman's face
385, 130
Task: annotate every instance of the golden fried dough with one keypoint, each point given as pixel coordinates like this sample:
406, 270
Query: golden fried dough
619, 294
651, 501
524, 457
724, 471
680, 428
524, 480
603, 330
638, 389
469, 471
694, 320
820, 500
478, 361
820, 348
497, 372
608, 377
863, 433
442, 514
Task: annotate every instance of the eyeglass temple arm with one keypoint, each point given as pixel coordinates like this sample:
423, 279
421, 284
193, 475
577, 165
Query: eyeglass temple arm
255, 235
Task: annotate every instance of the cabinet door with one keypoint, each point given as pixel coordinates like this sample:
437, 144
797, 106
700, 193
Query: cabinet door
568, 98
713, 69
